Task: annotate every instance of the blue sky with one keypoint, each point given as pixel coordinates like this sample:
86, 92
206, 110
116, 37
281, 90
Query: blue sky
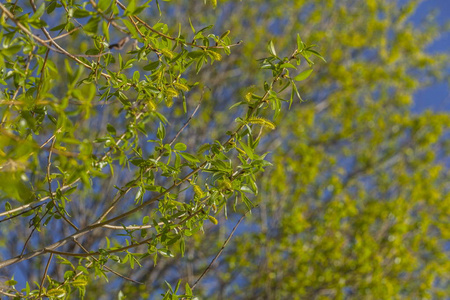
436, 96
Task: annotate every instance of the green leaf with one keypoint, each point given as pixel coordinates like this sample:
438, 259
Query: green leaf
83, 269
161, 133
247, 149
271, 49
199, 65
11, 50
151, 66
188, 289
294, 88
246, 189
11, 282
130, 8
92, 25
81, 13
103, 5
192, 26
105, 30
131, 28
303, 75
189, 157
225, 34
111, 129
59, 27
51, 7
39, 12
300, 44
316, 54
247, 201
136, 76
180, 147
288, 65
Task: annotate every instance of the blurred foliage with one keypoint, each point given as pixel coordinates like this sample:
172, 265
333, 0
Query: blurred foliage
356, 202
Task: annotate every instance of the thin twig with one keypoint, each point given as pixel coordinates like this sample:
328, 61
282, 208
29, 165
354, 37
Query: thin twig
163, 150
187, 122
45, 274
172, 38
49, 180
106, 267
47, 141
32, 231
131, 227
35, 202
220, 251
9, 294
41, 79
63, 35
120, 194
24, 212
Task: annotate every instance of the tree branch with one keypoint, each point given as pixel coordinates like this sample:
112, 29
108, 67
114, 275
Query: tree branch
220, 251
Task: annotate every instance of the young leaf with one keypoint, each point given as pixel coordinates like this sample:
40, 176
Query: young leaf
271, 49
189, 157
300, 44
303, 75
180, 147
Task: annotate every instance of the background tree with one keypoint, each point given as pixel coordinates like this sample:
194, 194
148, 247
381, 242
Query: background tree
353, 206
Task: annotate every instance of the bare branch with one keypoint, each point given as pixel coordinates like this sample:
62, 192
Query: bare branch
220, 251
45, 274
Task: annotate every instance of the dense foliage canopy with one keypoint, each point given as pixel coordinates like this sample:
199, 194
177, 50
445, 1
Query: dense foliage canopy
135, 137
